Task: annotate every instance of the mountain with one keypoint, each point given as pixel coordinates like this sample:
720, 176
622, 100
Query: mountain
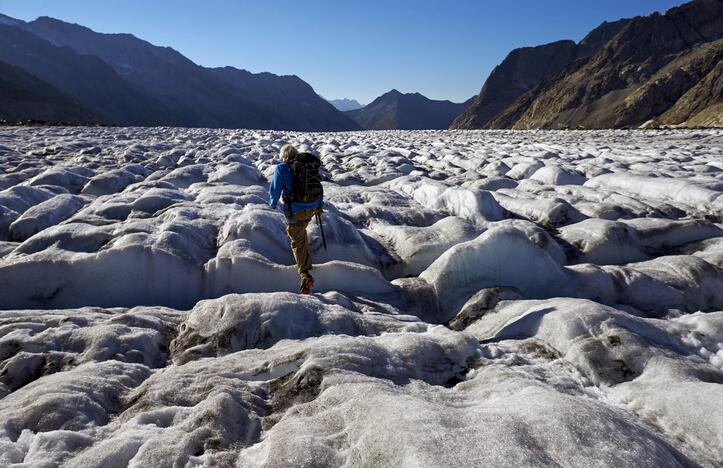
411, 111
288, 101
525, 68
520, 71
698, 106
345, 104
25, 97
87, 79
646, 71
159, 86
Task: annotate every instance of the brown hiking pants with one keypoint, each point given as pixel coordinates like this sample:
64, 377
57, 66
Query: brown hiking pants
296, 230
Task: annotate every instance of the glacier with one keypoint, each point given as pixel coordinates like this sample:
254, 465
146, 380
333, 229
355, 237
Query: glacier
487, 298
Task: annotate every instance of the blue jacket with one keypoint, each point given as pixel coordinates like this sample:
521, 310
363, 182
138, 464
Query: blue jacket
282, 183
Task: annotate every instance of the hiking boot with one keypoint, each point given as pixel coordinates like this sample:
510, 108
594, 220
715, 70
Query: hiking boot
307, 282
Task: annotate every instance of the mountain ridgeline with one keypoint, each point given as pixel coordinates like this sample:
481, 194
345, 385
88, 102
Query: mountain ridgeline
657, 70
410, 111
648, 71
119, 79
345, 104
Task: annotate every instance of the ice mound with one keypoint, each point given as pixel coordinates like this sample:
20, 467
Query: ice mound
207, 409
524, 170
19, 198
238, 322
685, 193
264, 230
35, 343
460, 202
110, 182
237, 174
185, 176
605, 344
41, 406
498, 298
363, 205
44, 215
556, 175
123, 276
548, 212
700, 282
360, 421
417, 247
607, 242
645, 364
71, 179
502, 256
157, 199
236, 270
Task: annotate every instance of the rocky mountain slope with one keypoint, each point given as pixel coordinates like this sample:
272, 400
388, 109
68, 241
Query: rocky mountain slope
525, 68
653, 70
695, 107
143, 84
410, 111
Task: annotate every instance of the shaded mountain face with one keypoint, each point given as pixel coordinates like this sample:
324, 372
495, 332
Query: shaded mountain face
345, 104
287, 101
169, 88
411, 111
8, 21
87, 79
25, 97
653, 70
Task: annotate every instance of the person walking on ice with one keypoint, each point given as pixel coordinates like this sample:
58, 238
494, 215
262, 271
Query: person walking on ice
298, 183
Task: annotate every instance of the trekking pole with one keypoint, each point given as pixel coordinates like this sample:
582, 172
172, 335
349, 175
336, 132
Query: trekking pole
321, 228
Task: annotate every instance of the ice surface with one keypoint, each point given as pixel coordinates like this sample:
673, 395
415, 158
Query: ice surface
44, 215
491, 298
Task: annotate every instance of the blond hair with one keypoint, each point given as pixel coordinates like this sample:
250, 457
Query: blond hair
288, 152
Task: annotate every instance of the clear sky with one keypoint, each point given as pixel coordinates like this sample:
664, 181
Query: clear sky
344, 48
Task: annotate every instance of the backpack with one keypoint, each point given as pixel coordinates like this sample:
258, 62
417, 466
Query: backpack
305, 177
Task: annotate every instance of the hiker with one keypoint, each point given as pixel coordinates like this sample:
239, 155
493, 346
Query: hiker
297, 179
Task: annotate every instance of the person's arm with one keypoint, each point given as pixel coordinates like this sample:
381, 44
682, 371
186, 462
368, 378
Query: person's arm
275, 187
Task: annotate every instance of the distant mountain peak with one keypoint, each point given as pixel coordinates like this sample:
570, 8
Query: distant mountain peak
54, 21
394, 110
345, 104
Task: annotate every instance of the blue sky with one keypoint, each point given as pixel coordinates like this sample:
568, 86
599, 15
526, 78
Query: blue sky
353, 49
